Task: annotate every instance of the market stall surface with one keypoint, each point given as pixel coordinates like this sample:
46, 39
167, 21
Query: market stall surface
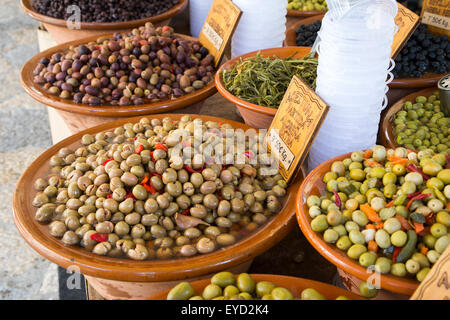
25, 133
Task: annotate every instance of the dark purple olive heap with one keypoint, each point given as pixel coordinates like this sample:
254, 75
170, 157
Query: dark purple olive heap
147, 65
104, 10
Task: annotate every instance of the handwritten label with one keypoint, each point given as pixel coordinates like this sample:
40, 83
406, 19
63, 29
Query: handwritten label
436, 14
294, 127
407, 22
219, 26
436, 285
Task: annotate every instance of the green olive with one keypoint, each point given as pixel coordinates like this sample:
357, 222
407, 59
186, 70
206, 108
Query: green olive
311, 294
223, 279
182, 291
211, 291
264, 288
245, 283
367, 290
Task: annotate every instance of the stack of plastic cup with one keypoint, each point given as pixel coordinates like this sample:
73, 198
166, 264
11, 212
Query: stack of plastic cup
261, 26
198, 11
352, 76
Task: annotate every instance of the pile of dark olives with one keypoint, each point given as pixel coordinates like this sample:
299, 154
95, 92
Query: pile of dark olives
146, 65
128, 193
104, 11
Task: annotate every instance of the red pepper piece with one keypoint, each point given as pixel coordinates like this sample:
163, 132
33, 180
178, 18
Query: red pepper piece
418, 197
139, 149
165, 28
130, 195
160, 146
143, 42
156, 174
337, 199
412, 195
106, 161
186, 212
150, 188
430, 219
190, 170
396, 253
425, 231
413, 168
151, 155
99, 237
109, 196
249, 154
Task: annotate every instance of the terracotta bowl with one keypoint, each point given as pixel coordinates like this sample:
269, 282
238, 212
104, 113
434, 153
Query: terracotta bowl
386, 132
313, 185
304, 14
291, 34
60, 33
117, 278
255, 115
295, 285
79, 116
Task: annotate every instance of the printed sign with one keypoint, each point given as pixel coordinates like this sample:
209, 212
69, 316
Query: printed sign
296, 123
219, 26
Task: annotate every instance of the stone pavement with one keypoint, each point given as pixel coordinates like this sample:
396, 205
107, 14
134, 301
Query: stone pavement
24, 134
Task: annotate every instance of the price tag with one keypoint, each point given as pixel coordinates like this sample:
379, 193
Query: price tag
436, 14
296, 123
219, 26
436, 285
407, 22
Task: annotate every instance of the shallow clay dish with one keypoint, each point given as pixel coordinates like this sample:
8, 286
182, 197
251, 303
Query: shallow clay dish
60, 33
386, 132
39, 94
291, 34
313, 185
293, 284
255, 115
120, 274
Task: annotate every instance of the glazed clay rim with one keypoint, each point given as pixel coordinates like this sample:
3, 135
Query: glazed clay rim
28, 8
294, 284
304, 14
39, 94
313, 184
282, 52
386, 134
291, 34
38, 237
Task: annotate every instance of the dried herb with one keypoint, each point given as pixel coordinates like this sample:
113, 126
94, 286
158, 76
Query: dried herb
264, 80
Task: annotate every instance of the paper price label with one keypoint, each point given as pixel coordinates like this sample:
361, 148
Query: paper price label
219, 26
407, 22
436, 285
436, 14
294, 127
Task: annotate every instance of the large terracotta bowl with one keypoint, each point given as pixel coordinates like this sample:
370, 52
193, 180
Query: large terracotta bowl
291, 32
117, 278
79, 116
60, 33
255, 115
386, 133
293, 284
313, 185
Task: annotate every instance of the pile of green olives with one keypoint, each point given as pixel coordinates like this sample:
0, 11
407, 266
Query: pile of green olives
307, 5
226, 286
422, 125
128, 192
387, 209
